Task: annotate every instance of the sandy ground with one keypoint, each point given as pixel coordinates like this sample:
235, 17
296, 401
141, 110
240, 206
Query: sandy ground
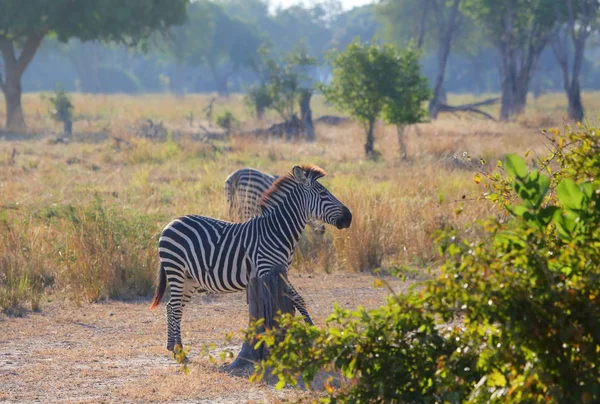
115, 351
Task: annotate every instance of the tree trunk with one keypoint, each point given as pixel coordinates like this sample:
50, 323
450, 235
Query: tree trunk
14, 67
260, 111
178, 82
14, 112
572, 87
401, 129
576, 112
443, 53
306, 116
268, 297
514, 88
221, 82
510, 106
85, 59
68, 127
370, 139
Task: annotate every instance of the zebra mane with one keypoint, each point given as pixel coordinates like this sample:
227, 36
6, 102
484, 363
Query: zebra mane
287, 182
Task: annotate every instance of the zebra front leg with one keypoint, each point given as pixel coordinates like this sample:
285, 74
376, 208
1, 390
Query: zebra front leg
299, 304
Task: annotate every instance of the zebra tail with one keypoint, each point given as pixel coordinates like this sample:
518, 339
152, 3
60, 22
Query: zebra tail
160, 288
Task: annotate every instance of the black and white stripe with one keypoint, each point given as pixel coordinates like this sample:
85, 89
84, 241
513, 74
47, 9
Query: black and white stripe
203, 254
243, 189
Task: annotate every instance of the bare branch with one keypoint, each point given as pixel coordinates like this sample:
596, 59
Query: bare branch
470, 107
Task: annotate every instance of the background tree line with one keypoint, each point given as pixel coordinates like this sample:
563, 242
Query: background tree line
509, 47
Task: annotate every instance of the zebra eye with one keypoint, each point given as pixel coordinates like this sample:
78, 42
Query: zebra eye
324, 194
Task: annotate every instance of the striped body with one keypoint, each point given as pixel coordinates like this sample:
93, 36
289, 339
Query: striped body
243, 189
204, 254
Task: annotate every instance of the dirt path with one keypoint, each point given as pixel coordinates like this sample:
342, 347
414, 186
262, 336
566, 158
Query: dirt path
114, 352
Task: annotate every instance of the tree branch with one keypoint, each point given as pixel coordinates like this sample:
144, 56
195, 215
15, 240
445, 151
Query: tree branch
470, 107
32, 44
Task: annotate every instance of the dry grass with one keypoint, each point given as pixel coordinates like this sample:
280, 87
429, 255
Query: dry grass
88, 213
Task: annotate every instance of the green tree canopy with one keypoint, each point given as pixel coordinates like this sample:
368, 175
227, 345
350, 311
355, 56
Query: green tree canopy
23, 27
368, 79
405, 101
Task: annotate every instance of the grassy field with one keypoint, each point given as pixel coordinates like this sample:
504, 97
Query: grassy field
79, 223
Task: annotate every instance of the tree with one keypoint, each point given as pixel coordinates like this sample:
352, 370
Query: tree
24, 26
579, 19
358, 22
368, 79
441, 19
212, 38
283, 85
188, 43
520, 30
404, 103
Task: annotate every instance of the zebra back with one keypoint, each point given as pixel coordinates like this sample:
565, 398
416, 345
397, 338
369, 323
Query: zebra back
243, 189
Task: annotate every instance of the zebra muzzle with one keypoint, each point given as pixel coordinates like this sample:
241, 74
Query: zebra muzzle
344, 221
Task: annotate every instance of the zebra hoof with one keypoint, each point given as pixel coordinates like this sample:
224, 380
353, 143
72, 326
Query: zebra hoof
175, 348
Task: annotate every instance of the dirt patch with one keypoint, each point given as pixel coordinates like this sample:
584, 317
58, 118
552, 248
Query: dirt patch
115, 351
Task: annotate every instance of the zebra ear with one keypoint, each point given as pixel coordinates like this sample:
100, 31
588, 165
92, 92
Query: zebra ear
299, 174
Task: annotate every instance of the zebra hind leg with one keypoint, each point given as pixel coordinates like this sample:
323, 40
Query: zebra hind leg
180, 296
300, 305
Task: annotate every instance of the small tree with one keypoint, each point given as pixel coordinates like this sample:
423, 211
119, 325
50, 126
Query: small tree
62, 109
405, 102
369, 79
227, 121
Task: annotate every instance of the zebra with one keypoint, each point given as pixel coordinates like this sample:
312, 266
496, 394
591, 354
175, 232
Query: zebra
202, 254
243, 189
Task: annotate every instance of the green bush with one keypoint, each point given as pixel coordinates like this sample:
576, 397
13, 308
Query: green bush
513, 316
227, 121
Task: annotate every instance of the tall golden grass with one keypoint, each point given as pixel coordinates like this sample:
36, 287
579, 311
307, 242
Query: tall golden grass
81, 219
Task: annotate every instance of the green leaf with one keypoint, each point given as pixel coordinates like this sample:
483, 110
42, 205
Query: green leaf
546, 214
515, 166
280, 384
518, 210
496, 379
570, 195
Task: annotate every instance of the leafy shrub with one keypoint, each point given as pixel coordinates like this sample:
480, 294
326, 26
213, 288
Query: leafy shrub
62, 108
259, 99
519, 306
227, 121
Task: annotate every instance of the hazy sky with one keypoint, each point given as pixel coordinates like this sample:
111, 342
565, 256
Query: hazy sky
346, 4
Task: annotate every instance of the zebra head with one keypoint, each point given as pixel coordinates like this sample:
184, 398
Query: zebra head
320, 203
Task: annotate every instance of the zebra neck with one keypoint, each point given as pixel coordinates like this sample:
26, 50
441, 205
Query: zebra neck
287, 220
